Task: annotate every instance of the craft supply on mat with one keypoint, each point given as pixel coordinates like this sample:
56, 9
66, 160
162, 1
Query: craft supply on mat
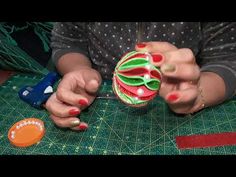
37, 95
26, 132
208, 140
136, 80
114, 128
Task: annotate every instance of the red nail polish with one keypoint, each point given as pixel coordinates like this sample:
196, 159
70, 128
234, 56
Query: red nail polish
83, 126
156, 57
172, 97
83, 102
74, 112
141, 45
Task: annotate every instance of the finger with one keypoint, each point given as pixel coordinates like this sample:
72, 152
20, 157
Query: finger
67, 85
186, 85
183, 55
60, 109
181, 71
157, 59
70, 97
155, 47
175, 57
183, 96
71, 81
92, 81
65, 122
166, 88
81, 127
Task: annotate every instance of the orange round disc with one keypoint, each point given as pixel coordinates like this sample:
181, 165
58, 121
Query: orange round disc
26, 132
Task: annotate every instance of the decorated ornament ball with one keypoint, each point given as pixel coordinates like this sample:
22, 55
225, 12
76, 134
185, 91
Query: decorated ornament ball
136, 80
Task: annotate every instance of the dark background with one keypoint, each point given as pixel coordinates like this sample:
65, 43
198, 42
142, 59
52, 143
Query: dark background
30, 43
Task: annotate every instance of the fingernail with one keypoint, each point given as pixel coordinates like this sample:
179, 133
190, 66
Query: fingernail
75, 123
157, 58
168, 68
172, 97
83, 126
74, 112
141, 45
83, 102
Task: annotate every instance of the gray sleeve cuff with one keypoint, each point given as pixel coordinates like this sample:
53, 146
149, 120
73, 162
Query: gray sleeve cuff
57, 54
227, 75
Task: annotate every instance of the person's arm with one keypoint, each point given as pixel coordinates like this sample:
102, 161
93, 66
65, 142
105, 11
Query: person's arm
218, 67
69, 47
184, 87
72, 62
80, 83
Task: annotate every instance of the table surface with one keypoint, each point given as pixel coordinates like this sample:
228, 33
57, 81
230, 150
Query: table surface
114, 128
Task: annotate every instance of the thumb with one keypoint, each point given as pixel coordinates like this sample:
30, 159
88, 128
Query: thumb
92, 81
92, 86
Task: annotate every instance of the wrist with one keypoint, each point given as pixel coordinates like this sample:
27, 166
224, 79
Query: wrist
211, 91
200, 102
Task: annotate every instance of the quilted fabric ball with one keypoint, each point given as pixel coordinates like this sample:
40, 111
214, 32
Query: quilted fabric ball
136, 80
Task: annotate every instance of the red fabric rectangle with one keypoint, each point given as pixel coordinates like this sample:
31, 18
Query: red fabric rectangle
209, 140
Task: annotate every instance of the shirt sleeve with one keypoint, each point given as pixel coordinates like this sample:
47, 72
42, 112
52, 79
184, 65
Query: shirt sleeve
68, 37
218, 53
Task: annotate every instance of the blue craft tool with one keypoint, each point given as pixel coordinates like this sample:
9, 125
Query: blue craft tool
37, 95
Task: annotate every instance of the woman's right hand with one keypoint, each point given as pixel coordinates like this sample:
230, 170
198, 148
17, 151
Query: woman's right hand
76, 91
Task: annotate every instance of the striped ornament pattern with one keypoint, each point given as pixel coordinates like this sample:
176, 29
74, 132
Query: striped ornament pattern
136, 80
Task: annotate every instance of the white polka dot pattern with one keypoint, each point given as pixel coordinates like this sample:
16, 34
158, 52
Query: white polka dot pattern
105, 42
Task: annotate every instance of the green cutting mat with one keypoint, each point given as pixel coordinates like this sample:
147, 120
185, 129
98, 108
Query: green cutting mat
114, 127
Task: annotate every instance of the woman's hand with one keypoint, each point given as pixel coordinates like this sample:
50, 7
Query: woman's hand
183, 86
76, 91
